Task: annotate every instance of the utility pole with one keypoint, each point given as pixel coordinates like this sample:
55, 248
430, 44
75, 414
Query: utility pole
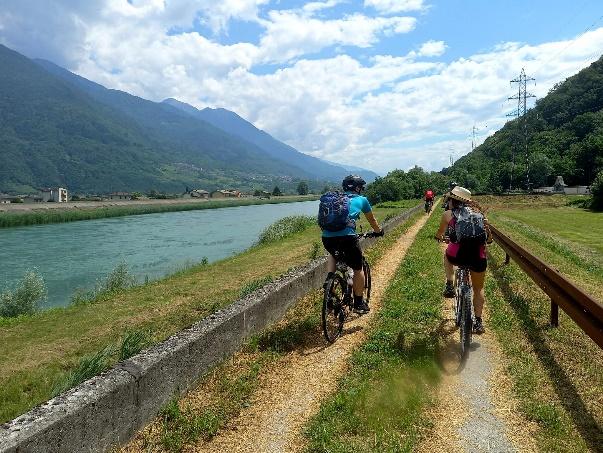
522, 103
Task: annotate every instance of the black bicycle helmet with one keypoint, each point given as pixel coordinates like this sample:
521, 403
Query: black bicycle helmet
351, 182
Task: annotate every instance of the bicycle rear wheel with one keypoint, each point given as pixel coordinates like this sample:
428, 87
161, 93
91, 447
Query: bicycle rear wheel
332, 308
367, 280
466, 322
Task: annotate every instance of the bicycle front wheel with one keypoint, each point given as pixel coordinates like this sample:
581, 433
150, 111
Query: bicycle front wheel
333, 314
367, 280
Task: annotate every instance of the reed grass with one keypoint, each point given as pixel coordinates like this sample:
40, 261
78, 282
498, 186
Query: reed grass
10, 219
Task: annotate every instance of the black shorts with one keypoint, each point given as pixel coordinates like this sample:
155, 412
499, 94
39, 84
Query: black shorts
345, 249
469, 258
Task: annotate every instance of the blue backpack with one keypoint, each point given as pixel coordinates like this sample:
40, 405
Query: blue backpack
334, 212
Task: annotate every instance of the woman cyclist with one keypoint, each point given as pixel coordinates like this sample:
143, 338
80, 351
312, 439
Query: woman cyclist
471, 255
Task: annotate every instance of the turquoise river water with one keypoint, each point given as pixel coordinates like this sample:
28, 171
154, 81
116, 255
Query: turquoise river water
78, 254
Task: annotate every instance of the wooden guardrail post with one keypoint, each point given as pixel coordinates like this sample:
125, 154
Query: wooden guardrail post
554, 314
507, 258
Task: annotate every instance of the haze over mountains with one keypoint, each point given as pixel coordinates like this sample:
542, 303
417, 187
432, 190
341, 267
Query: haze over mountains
57, 128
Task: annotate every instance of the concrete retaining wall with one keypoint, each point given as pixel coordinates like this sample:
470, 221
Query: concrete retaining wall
109, 409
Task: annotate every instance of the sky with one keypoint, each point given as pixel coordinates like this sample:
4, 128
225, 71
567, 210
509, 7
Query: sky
381, 84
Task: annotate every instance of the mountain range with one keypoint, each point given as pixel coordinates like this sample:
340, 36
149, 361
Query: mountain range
57, 128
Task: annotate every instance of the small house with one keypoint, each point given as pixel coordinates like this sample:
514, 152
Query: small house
197, 193
225, 194
120, 196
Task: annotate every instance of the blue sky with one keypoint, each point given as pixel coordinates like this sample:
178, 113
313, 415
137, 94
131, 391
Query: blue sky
382, 84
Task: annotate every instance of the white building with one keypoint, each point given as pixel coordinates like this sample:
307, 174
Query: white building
56, 194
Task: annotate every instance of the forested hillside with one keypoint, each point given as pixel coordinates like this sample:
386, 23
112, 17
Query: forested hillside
565, 137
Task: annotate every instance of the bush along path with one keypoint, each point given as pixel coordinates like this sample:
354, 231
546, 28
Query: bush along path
261, 398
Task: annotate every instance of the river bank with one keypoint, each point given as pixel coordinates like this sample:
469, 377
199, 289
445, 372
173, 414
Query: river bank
21, 214
40, 350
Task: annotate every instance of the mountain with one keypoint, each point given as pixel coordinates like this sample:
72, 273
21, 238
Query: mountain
191, 140
233, 124
564, 137
53, 134
368, 175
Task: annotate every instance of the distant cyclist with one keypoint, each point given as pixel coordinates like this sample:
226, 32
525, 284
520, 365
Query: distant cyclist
469, 252
429, 196
344, 242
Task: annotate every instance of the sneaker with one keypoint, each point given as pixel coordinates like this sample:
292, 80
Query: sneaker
478, 326
361, 307
449, 290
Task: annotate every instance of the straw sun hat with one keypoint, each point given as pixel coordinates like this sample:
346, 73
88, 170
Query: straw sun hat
460, 193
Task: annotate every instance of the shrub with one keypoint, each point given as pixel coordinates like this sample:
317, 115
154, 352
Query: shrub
26, 298
117, 280
285, 227
316, 250
596, 189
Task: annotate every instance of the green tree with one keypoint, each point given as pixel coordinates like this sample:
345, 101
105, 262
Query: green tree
302, 188
540, 169
276, 191
596, 189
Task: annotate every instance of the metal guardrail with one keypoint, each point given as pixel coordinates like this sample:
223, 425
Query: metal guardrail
581, 307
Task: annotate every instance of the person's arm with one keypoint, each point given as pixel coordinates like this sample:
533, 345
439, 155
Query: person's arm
373, 221
489, 238
446, 217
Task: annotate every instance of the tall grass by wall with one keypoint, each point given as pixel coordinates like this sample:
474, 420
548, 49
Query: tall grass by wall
285, 227
45, 216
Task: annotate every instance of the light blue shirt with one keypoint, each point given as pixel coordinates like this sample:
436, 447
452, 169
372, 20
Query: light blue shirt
358, 204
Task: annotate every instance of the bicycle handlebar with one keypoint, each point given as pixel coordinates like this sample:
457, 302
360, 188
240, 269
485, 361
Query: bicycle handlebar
372, 234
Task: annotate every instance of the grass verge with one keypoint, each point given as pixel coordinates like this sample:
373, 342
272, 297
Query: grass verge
556, 372
56, 215
379, 403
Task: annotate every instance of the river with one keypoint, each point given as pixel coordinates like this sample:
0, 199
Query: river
77, 255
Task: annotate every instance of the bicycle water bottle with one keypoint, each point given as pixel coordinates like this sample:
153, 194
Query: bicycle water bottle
350, 276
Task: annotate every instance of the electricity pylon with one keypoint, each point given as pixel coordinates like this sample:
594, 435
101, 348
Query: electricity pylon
522, 107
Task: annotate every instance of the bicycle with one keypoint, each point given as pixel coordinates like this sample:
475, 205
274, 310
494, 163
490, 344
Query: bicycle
338, 299
463, 304
428, 206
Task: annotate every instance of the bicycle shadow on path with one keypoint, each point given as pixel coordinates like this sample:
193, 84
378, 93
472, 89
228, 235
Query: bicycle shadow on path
449, 358
568, 395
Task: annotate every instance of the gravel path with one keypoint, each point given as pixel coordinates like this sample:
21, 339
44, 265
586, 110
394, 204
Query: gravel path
472, 414
292, 394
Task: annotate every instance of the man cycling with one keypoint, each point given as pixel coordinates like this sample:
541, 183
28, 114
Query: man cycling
429, 196
344, 243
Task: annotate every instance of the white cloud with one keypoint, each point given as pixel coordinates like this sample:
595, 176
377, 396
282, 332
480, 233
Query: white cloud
395, 6
432, 49
379, 111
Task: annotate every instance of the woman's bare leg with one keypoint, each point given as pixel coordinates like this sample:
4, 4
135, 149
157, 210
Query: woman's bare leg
477, 281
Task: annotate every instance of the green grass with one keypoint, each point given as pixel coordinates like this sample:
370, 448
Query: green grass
379, 403
44, 216
40, 350
556, 372
577, 226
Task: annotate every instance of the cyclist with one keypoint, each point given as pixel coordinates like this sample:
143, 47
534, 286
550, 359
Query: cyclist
472, 255
429, 196
345, 242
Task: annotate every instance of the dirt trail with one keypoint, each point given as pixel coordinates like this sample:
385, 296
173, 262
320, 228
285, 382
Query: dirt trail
475, 412
292, 394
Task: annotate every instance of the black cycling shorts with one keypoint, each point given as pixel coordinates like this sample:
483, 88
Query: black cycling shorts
345, 249
470, 259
